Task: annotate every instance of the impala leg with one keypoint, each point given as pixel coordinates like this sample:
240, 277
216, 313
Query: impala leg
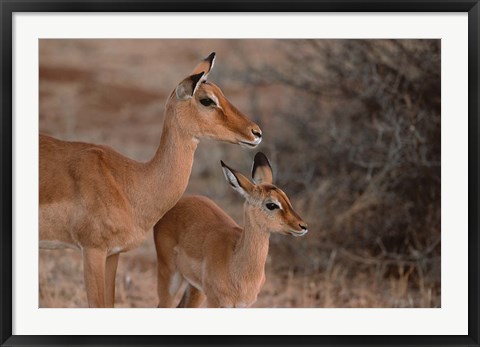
169, 286
110, 273
94, 271
192, 298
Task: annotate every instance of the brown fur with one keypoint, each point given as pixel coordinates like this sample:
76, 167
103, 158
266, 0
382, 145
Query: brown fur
200, 248
94, 199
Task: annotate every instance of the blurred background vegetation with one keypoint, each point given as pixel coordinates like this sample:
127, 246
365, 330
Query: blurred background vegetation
351, 127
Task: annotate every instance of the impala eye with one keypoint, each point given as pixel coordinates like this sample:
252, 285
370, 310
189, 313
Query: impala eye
271, 206
207, 102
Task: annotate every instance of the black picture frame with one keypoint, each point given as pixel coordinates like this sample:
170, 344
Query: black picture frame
9, 7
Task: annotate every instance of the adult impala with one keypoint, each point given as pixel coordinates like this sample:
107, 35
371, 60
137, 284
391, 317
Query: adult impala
203, 254
102, 203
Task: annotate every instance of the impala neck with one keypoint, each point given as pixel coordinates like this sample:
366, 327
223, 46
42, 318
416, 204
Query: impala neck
168, 171
251, 250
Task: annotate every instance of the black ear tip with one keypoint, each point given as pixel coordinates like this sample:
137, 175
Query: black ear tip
211, 57
259, 155
222, 163
197, 77
261, 159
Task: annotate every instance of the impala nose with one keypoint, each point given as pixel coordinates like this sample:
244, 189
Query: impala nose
303, 226
257, 133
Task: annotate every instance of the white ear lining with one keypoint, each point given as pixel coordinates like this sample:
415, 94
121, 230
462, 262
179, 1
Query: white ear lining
204, 78
196, 86
232, 179
213, 63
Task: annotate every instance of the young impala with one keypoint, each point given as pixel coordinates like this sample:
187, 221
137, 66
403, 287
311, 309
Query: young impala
203, 254
102, 203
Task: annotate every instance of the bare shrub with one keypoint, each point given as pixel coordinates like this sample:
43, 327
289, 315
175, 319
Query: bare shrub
359, 141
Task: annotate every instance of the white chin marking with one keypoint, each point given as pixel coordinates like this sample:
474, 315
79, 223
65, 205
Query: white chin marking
252, 144
298, 234
244, 145
257, 141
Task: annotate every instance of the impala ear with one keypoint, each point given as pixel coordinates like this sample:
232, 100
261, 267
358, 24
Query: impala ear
238, 182
186, 89
205, 66
262, 170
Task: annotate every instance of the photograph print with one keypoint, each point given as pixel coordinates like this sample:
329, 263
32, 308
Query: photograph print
239, 173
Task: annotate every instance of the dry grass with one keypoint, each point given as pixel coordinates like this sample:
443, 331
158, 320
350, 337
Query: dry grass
356, 253
61, 284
